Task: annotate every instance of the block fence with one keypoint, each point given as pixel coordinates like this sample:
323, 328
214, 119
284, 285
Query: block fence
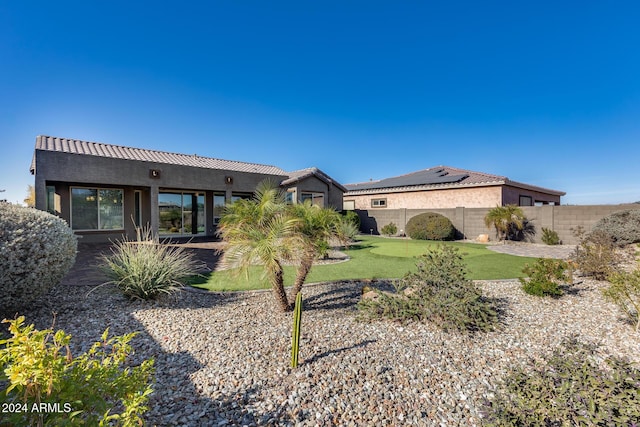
470, 221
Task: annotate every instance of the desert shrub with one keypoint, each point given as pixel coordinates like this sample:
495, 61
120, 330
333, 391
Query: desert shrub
353, 218
550, 237
544, 277
389, 229
430, 226
438, 292
568, 388
37, 250
346, 232
622, 227
94, 388
624, 290
595, 254
146, 269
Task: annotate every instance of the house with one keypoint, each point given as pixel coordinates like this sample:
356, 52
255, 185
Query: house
314, 185
444, 187
105, 191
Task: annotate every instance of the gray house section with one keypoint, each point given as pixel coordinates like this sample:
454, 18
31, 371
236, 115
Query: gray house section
106, 191
314, 185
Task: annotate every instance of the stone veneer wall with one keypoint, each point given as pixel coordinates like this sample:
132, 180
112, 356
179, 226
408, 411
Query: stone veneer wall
449, 198
470, 221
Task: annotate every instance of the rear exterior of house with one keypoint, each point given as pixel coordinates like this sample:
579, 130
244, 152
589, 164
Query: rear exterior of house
314, 185
106, 191
445, 187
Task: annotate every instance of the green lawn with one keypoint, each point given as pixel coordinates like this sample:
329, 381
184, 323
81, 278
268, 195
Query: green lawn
378, 258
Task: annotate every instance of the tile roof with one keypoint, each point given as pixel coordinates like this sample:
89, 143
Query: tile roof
301, 174
73, 146
438, 177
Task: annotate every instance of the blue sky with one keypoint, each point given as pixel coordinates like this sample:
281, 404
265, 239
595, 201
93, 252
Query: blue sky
546, 92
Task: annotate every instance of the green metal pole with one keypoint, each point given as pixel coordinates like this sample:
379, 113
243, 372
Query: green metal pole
295, 339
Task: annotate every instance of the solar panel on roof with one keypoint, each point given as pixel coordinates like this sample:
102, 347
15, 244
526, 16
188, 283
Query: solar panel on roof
426, 177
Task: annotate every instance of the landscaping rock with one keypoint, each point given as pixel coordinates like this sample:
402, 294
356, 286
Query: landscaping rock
223, 358
482, 238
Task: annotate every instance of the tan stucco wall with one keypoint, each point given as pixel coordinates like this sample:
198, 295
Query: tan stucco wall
475, 197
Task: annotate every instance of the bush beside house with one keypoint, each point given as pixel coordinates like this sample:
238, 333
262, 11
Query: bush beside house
37, 250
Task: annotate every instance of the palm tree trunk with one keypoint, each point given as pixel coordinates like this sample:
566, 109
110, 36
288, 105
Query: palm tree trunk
277, 284
303, 271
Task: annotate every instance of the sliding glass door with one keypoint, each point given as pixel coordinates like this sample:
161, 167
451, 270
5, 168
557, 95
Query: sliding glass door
181, 213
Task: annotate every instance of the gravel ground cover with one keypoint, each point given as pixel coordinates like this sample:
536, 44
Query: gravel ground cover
223, 359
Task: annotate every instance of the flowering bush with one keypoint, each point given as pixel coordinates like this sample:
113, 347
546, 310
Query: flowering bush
37, 250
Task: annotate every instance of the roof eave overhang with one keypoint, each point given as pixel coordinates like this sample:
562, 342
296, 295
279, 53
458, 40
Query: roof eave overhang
534, 188
320, 175
415, 188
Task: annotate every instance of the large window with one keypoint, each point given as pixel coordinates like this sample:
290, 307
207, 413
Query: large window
181, 213
317, 199
96, 209
525, 201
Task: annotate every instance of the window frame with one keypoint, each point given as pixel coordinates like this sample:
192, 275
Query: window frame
349, 203
183, 231
216, 218
97, 189
522, 197
379, 205
304, 195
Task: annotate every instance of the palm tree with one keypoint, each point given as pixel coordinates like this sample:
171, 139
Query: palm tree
505, 220
259, 231
316, 227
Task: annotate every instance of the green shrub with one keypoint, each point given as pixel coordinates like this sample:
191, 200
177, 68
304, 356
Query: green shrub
37, 250
438, 292
544, 276
622, 227
625, 292
352, 217
94, 388
390, 229
147, 269
595, 254
568, 389
430, 226
550, 237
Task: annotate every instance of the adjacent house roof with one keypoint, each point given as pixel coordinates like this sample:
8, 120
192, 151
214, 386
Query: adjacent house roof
299, 175
437, 178
74, 146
